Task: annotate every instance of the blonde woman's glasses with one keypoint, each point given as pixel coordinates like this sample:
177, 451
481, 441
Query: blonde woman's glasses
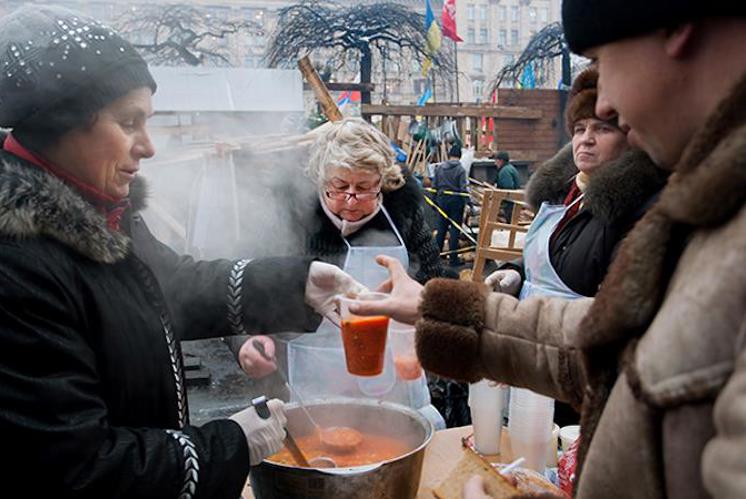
346, 196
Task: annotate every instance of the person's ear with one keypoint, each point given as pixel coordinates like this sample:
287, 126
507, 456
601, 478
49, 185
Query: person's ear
679, 39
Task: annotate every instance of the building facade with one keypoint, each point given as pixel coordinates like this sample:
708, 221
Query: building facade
494, 33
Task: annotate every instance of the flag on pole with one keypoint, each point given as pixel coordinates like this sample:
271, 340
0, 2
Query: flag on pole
426, 96
528, 79
433, 38
448, 20
348, 97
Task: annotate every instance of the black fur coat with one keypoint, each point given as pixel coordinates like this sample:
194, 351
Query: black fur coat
616, 197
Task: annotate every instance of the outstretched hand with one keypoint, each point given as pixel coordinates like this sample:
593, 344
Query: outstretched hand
403, 302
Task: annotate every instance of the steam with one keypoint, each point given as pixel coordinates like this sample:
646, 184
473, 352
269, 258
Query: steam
244, 198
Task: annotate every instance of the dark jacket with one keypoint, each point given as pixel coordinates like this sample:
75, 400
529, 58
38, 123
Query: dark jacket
451, 176
507, 177
616, 197
91, 385
404, 205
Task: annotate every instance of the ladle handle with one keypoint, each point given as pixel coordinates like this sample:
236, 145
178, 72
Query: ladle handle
260, 348
295, 451
260, 405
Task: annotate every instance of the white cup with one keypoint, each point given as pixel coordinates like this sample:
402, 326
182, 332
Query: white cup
568, 434
530, 426
486, 400
552, 450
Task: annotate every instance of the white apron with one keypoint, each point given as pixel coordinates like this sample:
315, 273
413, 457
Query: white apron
541, 278
316, 362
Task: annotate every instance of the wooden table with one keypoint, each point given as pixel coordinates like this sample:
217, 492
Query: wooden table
443, 453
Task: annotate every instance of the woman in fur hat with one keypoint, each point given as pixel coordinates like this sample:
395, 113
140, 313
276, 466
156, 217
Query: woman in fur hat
92, 306
587, 198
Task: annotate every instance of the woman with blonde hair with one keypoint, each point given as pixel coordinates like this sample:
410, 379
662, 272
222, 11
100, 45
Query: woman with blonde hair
366, 208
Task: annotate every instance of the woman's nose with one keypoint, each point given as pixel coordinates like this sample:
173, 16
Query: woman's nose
144, 146
589, 136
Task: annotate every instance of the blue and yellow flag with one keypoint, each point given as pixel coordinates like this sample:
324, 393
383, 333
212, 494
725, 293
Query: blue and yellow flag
433, 38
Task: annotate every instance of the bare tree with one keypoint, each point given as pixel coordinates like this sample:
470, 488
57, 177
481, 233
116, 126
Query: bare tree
178, 34
542, 49
347, 32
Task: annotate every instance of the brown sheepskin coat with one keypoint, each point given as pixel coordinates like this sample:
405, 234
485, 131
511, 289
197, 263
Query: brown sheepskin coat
657, 362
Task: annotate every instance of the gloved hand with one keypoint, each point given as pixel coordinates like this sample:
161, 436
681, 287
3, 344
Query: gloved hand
506, 281
252, 362
324, 283
264, 436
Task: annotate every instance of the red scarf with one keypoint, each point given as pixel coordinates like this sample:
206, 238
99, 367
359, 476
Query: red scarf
573, 210
110, 207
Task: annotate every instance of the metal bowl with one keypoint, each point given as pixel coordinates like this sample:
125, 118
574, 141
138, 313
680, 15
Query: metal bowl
396, 478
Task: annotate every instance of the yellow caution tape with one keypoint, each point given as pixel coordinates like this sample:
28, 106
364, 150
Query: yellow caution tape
450, 193
455, 224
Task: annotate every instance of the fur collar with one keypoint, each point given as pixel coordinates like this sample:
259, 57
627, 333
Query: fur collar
34, 203
614, 192
400, 202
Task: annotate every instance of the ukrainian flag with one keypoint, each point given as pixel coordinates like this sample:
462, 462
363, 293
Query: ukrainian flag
433, 37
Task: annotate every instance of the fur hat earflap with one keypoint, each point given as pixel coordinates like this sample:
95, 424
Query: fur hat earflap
581, 102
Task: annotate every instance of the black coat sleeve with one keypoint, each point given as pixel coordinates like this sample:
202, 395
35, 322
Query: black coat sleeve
215, 298
58, 438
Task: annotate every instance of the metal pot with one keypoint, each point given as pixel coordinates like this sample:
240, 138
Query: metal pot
397, 478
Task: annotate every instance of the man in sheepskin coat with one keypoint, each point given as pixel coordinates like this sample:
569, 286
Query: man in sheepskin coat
657, 361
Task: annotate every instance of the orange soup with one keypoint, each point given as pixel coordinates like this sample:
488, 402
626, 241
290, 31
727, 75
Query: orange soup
372, 449
407, 367
364, 340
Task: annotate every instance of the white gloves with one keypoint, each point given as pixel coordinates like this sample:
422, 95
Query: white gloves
506, 281
324, 283
264, 436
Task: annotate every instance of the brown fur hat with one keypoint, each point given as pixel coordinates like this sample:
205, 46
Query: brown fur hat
581, 102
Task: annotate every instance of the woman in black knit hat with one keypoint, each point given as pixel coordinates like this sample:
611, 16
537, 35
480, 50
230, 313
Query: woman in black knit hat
92, 306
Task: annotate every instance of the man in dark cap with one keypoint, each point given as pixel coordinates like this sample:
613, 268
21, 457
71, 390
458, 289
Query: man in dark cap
657, 361
507, 178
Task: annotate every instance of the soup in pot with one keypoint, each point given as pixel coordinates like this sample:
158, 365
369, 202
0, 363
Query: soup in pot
371, 449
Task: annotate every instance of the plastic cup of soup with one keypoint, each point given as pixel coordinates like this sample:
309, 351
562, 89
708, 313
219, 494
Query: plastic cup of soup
363, 338
407, 364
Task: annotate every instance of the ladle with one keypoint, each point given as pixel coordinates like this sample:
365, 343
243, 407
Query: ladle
260, 404
320, 461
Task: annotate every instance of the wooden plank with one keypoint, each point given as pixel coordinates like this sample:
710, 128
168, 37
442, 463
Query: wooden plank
322, 94
340, 86
473, 111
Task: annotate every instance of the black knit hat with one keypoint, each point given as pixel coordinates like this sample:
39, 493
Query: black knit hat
50, 56
590, 23
454, 151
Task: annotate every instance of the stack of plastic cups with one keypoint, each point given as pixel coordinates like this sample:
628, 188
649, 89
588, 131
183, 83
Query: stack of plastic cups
486, 400
530, 426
